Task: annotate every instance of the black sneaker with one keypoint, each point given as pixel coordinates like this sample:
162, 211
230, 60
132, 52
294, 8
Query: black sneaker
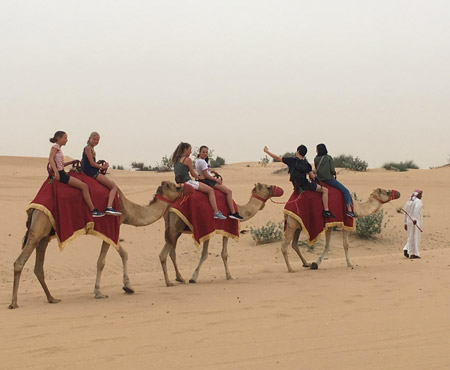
96, 213
328, 214
351, 214
405, 253
111, 211
235, 216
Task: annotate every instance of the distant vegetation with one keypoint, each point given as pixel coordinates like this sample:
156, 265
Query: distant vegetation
402, 166
347, 161
118, 167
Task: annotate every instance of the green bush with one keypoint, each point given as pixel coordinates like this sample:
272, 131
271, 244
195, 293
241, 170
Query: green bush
140, 166
165, 165
117, 167
347, 161
367, 227
216, 163
270, 233
402, 166
264, 161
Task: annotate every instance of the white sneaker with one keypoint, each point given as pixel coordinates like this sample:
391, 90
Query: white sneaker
219, 215
111, 211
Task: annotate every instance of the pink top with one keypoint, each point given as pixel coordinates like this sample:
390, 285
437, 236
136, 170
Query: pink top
59, 158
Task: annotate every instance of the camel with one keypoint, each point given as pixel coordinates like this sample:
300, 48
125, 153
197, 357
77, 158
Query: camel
361, 209
175, 227
39, 231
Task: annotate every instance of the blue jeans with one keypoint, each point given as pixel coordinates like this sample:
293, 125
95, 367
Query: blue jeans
336, 184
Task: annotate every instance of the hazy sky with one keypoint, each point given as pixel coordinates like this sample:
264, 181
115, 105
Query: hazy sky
367, 78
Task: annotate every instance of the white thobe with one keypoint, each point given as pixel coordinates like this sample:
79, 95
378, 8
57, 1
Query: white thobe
414, 210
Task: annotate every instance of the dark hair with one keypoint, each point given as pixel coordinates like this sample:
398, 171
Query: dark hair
179, 151
56, 136
302, 150
201, 148
321, 149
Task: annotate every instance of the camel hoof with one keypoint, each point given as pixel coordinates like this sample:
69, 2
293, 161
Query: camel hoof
13, 306
128, 290
314, 266
307, 265
100, 296
181, 280
229, 277
191, 281
54, 300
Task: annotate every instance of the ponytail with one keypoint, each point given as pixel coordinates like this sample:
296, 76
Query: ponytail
179, 152
56, 136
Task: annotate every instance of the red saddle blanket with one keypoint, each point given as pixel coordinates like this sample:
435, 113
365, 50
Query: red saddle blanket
307, 209
198, 215
69, 214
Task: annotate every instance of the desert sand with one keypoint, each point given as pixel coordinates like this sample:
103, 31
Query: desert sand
386, 313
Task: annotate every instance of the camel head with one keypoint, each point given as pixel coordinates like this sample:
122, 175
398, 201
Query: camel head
384, 196
171, 192
264, 192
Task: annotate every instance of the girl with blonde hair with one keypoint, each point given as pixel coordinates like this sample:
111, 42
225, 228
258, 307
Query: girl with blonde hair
91, 168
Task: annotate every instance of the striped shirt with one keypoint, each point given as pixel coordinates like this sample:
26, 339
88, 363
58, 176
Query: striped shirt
59, 158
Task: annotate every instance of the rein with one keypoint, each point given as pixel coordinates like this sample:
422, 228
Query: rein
182, 195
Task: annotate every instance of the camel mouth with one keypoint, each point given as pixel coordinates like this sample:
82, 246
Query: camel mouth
277, 191
395, 194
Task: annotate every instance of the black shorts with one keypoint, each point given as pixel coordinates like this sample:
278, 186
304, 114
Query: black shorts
309, 186
63, 177
211, 183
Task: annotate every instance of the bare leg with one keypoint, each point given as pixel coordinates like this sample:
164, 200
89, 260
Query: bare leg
203, 258
228, 195
324, 191
111, 185
74, 182
39, 268
212, 197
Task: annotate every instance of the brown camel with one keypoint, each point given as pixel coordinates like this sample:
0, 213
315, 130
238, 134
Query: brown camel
361, 209
39, 230
175, 227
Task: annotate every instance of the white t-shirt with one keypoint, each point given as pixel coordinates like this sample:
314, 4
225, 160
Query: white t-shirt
200, 165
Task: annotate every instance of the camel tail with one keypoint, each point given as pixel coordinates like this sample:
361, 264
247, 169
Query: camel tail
28, 224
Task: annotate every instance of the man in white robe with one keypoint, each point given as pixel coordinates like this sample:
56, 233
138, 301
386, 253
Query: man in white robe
413, 224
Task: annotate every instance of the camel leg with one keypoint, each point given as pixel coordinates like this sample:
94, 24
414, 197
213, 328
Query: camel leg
296, 248
18, 267
225, 257
345, 243
315, 265
174, 228
288, 237
203, 258
38, 227
173, 257
39, 268
100, 266
126, 280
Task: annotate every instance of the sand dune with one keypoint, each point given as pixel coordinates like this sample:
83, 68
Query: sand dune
387, 313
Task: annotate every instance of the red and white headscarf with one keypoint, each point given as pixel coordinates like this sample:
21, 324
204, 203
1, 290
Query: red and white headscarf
415, 194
